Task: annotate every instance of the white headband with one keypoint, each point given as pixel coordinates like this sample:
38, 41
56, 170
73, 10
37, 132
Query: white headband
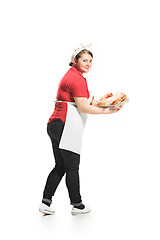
79, 49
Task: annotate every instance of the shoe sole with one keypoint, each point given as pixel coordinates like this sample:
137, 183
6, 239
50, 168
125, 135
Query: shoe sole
46, 212
78, 213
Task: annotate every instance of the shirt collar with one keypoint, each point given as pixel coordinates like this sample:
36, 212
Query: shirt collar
75, 69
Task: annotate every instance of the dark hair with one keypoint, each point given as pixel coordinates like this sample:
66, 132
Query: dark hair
80, 54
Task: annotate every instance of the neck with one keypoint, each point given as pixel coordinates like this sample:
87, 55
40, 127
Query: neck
78, 69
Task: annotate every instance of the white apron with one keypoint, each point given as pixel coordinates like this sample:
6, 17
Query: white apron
71, 138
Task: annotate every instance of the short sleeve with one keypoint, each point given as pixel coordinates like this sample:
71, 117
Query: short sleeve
79, 88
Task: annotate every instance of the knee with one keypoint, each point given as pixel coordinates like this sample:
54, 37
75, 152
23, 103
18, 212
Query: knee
72, 169
60, 170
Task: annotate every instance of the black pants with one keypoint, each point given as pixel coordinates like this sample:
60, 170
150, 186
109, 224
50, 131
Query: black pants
66, 162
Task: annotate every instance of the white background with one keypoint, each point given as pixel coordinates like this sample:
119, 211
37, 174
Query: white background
120, 169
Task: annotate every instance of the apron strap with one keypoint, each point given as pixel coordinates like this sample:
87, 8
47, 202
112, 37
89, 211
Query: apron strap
72, 103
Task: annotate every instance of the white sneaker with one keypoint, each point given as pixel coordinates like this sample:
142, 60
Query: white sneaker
43, 208
76, 211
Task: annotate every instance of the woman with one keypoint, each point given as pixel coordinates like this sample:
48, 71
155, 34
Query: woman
65, 128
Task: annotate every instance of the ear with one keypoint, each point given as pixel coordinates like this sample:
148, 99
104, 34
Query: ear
74, 61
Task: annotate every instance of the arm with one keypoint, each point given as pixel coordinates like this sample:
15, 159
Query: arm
84, 107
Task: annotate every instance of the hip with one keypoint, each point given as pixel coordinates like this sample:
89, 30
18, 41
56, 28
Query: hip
55, 129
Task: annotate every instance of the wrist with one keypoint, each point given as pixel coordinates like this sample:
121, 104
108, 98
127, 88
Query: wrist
105, 110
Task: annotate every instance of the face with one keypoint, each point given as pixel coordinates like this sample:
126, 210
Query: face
84, 63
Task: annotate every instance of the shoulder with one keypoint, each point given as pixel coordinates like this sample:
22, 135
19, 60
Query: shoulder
73, 75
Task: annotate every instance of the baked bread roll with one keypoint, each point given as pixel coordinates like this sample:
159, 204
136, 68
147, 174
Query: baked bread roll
109, 99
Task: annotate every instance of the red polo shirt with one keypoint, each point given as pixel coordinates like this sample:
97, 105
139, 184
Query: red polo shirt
73, 84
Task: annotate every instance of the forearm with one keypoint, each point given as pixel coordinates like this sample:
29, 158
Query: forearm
89, 109
84, 107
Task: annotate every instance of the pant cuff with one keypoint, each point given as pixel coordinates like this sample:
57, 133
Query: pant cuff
47, 200
76, 204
